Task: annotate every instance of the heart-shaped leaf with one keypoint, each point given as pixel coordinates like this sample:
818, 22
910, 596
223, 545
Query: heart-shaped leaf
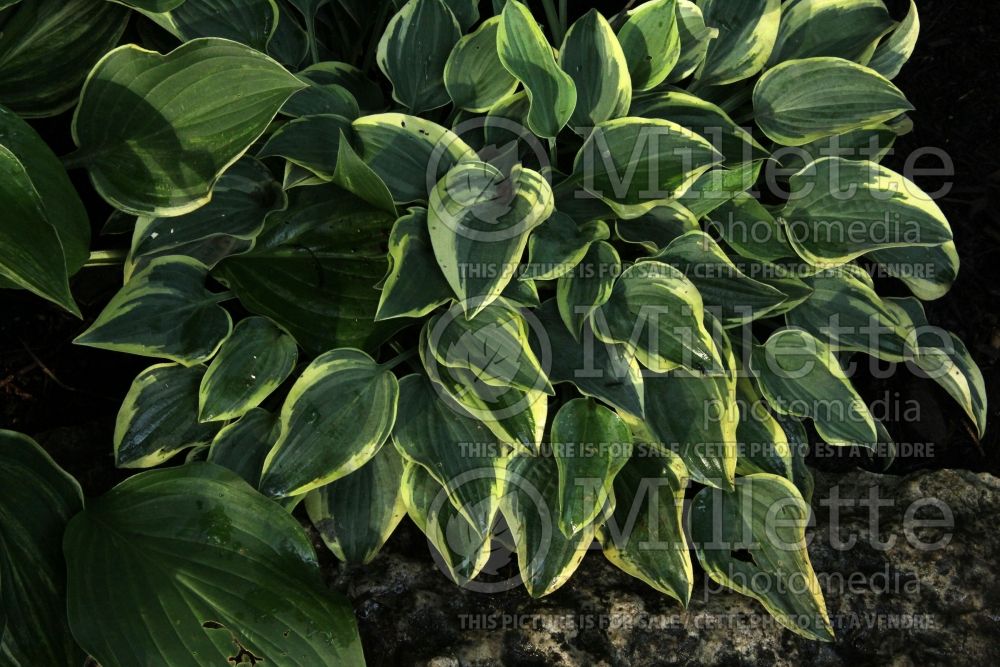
546, 557
479, 222
243, 445
694, 37
747, 30
594, 59
635, 164
336, 417
657, 313
588, 286
147, 119
651, 42
251, 22
410, 254
559, 244
803, 100
356, 514
840, 209
251, 364
408, 153
929, 271
474, 76
306, 142
527, 55
644, 536
413, 51
846, 29
159, 417
459, 452
225, 226
314, 268
192, 565
590, 444
163, 311
800, 376
766, 517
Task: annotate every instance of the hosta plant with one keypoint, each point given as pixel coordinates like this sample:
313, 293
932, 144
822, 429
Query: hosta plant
531, 285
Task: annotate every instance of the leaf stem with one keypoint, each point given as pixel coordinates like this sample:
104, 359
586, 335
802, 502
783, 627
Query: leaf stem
105, 258
219, 297
552, 17
563, 16
553, 154
400, 358
311, 37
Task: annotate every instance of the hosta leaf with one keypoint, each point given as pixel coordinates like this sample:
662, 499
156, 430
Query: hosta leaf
557, 246
800, 376
159, 416
47, 48
929, 271
895, 51
840, 209
590, 444
319, 98
803, 100
494, 346
314, 268
869, 143
586, 288
594, 59
656, 229
459, 452
694, 37
366, 92
750, 229
251, 364
846, 312
356, 514
193, 566
651, 42
943, 357
479, 223
31, 254
243, 445
353, 175
694, 414
336, 417
766, 517
747, 30
251, 22
413, 51
730, 294
146, 120
718, 186
527, 55
798, 443
657, 313
289, 43
763, 443
311, 142
163, 311
37, 502
515, 416
63, 208
839, 28
225, 226
410, 154
461, 548
474, 76
704, 118
546, 557
644, 537
635, 164
411, 254
596, 368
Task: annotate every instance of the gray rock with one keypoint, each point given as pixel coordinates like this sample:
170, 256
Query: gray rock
900, 604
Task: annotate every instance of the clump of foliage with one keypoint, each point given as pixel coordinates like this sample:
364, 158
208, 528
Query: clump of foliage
483, 273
